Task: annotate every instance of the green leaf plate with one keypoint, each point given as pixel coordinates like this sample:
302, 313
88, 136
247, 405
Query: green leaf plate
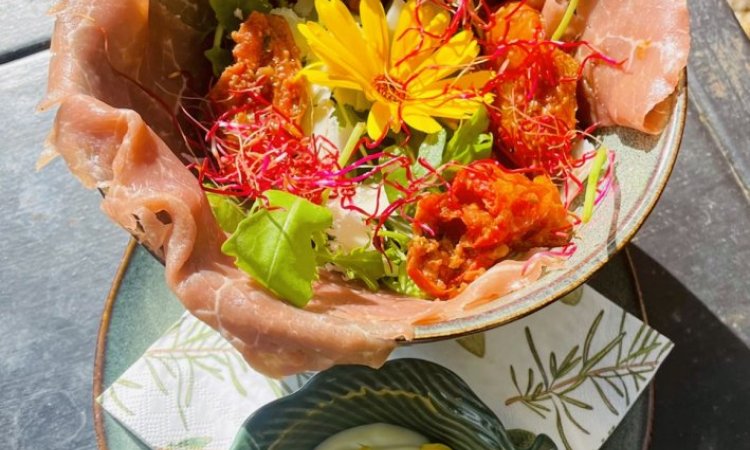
411, 393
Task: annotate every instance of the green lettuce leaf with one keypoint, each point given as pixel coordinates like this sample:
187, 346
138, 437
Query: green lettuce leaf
230, 13
431, 151
274, 245
396, 177
227, 211
470, 142
359, 264
398, 280
220, 58
403, 284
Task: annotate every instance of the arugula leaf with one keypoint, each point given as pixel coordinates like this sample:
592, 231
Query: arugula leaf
397, 177
220, 58
401, 282
431, 151
361, 264
398, 280
227, 211
274, 246
231, 13
470, 142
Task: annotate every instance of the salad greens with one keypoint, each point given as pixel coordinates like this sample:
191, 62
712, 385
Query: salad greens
470, 143
396, 244
227, 211
274, 245
366, 265
281, 245
431, 152
395, 178
593, 182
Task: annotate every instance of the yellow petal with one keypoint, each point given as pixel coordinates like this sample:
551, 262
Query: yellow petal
323, 78
340, 23
378, 120
454, 55
419, 121
408, 37
449, 108
375, 28
334, 55
467, 83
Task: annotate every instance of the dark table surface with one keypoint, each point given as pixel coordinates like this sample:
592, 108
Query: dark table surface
58, 254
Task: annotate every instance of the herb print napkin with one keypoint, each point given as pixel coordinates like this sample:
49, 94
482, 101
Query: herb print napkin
570, 371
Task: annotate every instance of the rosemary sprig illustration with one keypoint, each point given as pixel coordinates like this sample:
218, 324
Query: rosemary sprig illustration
550, 390
189, 350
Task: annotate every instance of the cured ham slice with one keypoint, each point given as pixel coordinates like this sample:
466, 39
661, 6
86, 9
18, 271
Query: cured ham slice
652, 40
151, 194
125, 53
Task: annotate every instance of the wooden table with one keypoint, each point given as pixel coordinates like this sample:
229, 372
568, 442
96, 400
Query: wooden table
58, 253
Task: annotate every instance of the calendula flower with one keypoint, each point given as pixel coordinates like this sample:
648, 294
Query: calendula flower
419, 73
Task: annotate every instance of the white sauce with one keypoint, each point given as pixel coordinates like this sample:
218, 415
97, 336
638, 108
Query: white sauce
349, 230
380, 436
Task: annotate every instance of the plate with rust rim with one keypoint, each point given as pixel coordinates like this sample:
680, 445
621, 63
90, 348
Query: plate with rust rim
140, 308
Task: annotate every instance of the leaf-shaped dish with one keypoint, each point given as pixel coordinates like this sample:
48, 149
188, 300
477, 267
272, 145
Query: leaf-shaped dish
412, 393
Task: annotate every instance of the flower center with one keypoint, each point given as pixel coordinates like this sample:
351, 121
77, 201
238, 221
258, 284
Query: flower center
389, 88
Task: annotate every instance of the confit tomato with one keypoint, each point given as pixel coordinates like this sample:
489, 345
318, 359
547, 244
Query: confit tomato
486, 214
266, 64
534, 114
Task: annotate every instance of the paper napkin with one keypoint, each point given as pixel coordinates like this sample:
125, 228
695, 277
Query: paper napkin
570, 371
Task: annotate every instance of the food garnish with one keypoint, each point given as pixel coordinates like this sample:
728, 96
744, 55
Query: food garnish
486, 214
466, 142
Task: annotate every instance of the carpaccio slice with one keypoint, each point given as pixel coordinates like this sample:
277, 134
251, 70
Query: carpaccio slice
650, 38
118, 72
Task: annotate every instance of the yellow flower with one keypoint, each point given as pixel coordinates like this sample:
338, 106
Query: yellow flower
410, 77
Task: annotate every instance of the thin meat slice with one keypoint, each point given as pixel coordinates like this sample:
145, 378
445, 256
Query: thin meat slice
135, 54
151, 194
652, 40
266, 64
